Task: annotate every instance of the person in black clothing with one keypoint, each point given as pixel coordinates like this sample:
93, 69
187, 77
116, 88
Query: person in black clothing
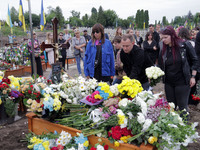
138, 38
150, 46
177, 59
156, 37
63, 50
86, 36
134, 60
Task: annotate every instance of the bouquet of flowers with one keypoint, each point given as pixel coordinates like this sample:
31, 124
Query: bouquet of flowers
55, 141
154, 74
129, 87
196, 96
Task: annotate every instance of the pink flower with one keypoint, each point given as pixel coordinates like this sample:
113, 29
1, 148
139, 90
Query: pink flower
112, 109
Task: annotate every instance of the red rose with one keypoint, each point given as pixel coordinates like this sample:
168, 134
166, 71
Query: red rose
31, 86
109, 134
116, 135
106, 147
42, 105
93, 148
60, 147
29, 91
126, 132
54, 148
37, 100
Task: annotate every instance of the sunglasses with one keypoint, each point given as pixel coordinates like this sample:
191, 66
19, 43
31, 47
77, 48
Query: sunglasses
34, 34
95, 31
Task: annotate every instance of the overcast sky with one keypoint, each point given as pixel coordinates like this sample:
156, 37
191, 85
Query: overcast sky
124, 8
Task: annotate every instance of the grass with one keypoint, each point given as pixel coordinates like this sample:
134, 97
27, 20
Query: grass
18, 31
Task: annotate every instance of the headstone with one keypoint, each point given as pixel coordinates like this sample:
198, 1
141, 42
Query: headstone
56, 72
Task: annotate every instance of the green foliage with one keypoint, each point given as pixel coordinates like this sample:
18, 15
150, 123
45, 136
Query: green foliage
101, 16
18, 31
10, 107
14, 15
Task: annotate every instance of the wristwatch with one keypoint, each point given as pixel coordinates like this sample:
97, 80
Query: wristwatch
193, 76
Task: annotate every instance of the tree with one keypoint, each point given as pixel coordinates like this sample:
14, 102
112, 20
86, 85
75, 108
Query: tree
59, 15
14, 15
164, 21
75, 14
146, 18
110, 18
101, 16
35, 20
85, 20
190, 16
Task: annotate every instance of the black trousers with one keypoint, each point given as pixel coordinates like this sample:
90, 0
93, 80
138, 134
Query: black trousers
179, 95
63, 53
38, 66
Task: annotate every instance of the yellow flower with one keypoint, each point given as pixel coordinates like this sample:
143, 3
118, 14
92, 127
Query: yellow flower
152, 139
0, 101
86, 143
116, 144
30, 146
121, 119
97, 96
46, 145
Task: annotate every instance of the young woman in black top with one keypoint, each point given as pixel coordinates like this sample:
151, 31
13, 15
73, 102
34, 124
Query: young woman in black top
179, 62
149, 46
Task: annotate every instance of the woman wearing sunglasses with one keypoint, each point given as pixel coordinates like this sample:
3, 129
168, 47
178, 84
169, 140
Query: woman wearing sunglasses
179, 62
99, 56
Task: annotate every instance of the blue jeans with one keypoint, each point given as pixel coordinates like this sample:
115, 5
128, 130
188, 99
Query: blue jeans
78, 63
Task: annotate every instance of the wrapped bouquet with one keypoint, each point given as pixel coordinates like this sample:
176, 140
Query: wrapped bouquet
154, 74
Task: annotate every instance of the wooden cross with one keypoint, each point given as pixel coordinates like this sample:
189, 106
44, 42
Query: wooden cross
55, 45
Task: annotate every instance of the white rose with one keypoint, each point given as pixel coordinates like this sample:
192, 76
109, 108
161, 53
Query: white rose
171, 104
147, 124
124, 102
140, 118
99, 147
155, 76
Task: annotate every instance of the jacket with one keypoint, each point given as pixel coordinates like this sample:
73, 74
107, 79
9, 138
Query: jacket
108, 64
197, 48
188, 58
135, 63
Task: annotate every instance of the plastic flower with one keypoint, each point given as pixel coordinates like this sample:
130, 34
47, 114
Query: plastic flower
152, 139
0, 101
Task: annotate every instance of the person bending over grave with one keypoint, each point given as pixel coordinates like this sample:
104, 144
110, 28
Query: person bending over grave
37, 52
63, 50
134, 60
99, 57
78, 43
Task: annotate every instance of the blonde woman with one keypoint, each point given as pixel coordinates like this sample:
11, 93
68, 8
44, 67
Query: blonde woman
49, 40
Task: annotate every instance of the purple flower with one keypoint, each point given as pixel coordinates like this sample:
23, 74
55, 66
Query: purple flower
106, 115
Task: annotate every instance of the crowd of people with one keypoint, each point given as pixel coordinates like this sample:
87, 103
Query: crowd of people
176, 52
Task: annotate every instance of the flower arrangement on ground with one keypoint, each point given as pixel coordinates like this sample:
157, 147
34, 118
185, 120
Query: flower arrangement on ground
154, 74
55, 141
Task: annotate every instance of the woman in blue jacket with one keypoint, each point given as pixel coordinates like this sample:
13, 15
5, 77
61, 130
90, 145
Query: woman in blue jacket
99, 56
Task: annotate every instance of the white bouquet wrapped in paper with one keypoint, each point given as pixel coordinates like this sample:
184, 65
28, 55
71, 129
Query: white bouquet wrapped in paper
154, 74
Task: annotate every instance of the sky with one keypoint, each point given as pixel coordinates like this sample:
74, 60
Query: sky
123, 8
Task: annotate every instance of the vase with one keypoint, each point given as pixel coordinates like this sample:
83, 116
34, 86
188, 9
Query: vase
3, 115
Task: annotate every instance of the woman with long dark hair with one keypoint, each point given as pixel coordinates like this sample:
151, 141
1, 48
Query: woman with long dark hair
177, 59
149, 46
99, 57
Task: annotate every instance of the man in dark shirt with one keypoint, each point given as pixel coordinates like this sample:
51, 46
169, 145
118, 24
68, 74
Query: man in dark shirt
134, 60
156, 37
63, 50
86, 36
